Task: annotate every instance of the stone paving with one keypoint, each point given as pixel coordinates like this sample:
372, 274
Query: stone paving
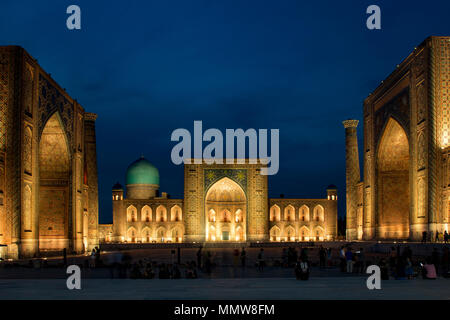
341, 288
226, 281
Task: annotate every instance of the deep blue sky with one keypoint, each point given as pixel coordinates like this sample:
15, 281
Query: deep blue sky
149, 67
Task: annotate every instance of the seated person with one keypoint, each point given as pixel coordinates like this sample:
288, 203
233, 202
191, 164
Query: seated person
429, 270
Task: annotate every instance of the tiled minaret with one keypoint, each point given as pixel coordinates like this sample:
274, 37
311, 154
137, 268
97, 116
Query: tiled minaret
352, 175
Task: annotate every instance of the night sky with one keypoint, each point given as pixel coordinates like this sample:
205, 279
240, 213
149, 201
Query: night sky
150, 67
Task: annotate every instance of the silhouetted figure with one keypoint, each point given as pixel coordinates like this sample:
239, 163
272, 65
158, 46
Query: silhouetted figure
361, 258
243, 257
65, 256
424, 237
400, 269
235, 257
436, 258
409, 271
445, 236
445, 261
342, 259
261, 260
199, 257
322, 257
349, 259
384, 270
302, 270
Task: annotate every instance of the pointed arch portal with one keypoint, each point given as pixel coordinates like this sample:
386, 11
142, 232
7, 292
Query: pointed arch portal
226, 199
393, 191
54, 175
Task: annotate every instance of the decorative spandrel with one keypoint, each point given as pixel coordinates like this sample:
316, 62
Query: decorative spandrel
50, 101
214, 175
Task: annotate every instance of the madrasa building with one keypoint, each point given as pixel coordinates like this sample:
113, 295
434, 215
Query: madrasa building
405, 190
48, 163
222, 203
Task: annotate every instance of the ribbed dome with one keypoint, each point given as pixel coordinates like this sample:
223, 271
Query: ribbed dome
142, 172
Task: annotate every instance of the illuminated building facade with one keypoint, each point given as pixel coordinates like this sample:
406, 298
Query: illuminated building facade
222, 203
48, 163
406, 186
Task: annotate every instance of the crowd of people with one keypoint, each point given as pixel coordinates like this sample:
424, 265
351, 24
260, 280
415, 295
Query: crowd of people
436, 237
396, 263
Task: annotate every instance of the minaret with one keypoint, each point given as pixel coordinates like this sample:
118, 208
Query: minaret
352, 175
91, 165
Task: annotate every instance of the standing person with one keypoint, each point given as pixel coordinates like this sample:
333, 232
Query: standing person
322, 257
284, 258
97, 256
362, 261
349, 258
445, 236
342, 259
424, 237
261, 260
436, 239
208, 262
384, 270
409, 271
236, 257
302, 270
436, 259
243, 257
65, 257
92, 259
329, 257
445, 260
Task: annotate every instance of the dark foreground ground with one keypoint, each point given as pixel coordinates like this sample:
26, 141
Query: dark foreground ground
227, 279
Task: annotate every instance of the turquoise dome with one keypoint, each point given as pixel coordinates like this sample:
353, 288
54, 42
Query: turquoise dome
142, 172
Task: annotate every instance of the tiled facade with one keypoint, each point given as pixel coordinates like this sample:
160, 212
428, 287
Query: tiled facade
222, 203
45, 202
405, 189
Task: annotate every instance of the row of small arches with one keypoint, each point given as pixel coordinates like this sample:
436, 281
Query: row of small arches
303, 213
290, 234
160, 234
176, 214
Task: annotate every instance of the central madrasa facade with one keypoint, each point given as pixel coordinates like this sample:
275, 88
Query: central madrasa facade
222, 203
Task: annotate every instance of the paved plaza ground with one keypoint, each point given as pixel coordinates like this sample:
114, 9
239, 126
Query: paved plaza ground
226, 281
340, 288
